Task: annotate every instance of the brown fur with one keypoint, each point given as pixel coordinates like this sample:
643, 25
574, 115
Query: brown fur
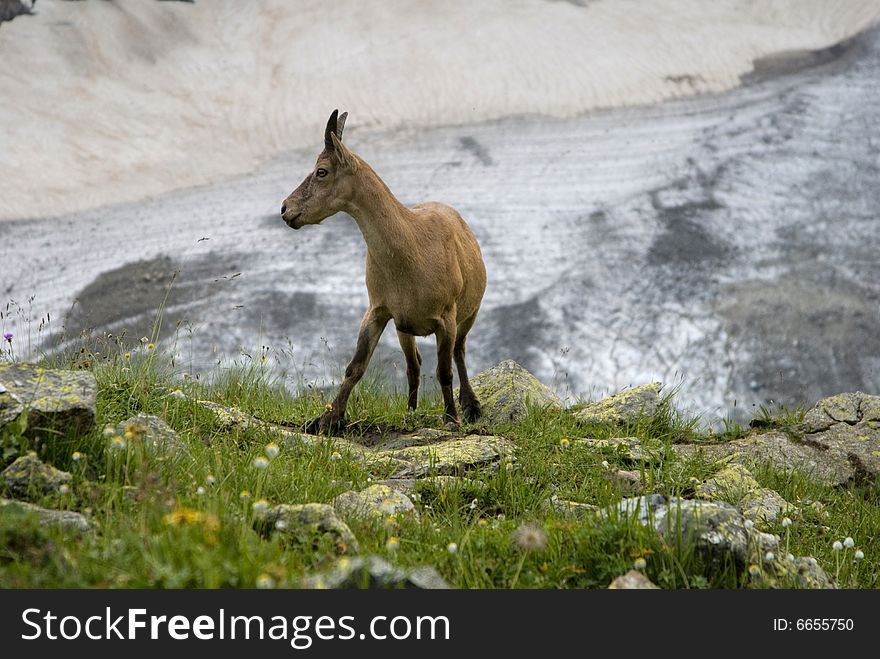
424, 271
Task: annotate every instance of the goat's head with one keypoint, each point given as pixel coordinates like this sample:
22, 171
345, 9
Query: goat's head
329, 186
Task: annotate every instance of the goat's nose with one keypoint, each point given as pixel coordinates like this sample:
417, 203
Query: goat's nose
283, 208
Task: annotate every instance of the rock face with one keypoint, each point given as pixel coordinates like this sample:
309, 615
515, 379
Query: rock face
50, 399
838, 442
311, 524
632, 580
736, 485
375, 501
507, 389
374, 572
623, 408
151, 432
66, 518
28, 478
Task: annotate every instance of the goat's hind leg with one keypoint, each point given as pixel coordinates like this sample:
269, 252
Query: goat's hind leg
413, 366
371, 330
445, 342
470, 406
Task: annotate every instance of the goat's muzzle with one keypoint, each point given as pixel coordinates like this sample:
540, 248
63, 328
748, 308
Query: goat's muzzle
290, 218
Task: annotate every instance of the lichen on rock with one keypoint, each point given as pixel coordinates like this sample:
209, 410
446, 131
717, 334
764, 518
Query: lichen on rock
736, 485
30, 478
506, 391
50, 399
622, 408
376, 501
66, 518
152, 433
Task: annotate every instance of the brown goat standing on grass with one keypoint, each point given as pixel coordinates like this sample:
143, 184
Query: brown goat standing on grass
424, 270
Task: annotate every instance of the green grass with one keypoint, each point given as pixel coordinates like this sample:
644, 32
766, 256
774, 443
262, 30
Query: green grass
132, 494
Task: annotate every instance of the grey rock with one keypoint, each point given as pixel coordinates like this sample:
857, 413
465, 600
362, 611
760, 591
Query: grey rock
506, 391
622, 408
838, 442
736, 485
66, 518
28, 478
51, 399
449, 457
568, 509
627, 448
310, 524
633, 580
374, 572
627, 483
375, 501
151, 432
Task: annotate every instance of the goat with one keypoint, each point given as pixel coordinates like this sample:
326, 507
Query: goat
424, 270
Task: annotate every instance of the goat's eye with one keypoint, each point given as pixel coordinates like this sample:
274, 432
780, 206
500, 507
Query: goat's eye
321, 173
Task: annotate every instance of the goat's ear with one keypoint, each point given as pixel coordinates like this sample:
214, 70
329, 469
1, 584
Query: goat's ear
346, 159
340, 125
331, 129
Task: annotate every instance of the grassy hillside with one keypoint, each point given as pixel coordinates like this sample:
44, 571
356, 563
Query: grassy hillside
187, 518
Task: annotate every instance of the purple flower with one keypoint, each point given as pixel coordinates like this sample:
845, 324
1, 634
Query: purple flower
8, 336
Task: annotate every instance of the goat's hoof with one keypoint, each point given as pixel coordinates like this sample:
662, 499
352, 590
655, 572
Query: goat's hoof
327, 422
471, 410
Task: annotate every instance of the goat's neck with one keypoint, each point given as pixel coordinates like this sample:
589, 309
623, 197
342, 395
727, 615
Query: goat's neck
384, 222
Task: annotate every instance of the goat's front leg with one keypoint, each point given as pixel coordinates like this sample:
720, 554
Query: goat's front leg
372, 327
445, 342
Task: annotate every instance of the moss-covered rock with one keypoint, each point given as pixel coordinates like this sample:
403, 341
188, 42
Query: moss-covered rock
633, 580
736, 485
65, 518
507, 389
30, 478
49, 399
151, 432
376, 501
838, 442
312, 524
374, 572
624, 407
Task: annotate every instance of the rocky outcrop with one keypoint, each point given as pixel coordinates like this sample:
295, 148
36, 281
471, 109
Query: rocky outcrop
506, 391
374, 572
312, 524
65, 518
838, 442
48, 399
376, 501
29, 478
623, 408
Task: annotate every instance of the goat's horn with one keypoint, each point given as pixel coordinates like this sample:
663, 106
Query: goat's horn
340, 124
331, 128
